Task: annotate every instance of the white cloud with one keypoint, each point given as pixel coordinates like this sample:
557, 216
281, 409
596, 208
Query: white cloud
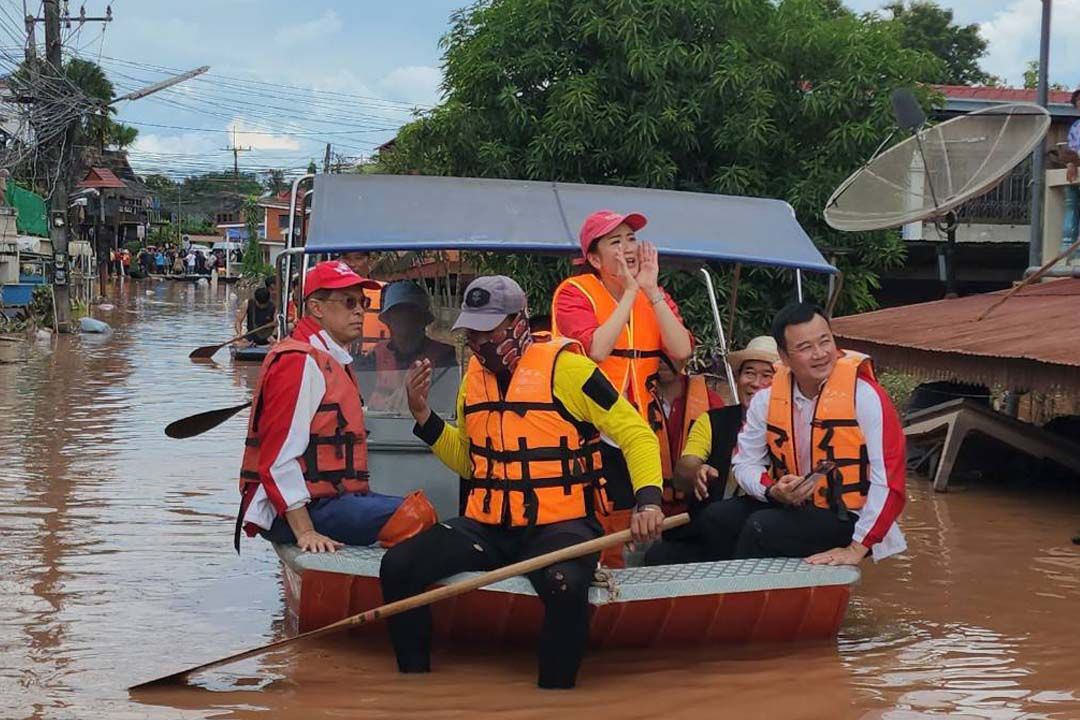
1013, 34
309, 32
415, 83
191, 144
246, 134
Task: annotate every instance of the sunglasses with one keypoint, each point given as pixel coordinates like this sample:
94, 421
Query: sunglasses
351, 302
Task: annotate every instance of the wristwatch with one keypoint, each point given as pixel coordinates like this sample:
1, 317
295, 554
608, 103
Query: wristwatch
768, 494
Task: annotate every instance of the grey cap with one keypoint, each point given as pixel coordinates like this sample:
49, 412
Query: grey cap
488, 300
404, 292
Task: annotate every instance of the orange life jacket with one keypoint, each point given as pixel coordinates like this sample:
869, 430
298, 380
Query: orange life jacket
532, 463
636, 355
335, 462
374, 329
835, 434
696, 403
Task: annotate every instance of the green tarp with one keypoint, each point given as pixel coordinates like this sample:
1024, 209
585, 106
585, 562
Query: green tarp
31, 206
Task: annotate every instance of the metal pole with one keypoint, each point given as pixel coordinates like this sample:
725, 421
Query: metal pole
1038, 157
58, 202
720, 333
798, 283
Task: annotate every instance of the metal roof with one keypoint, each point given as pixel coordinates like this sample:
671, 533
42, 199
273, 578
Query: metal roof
410, 212
964, 98
1031, 341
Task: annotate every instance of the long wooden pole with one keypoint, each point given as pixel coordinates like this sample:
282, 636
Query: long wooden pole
1034, 276
447, 591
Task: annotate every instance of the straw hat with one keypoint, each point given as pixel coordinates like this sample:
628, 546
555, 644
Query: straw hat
762, 348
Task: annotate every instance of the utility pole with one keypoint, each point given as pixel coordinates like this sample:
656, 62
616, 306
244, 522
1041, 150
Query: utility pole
1038, 158
236, 155
326, 161
179, 224
58, 232
58, 199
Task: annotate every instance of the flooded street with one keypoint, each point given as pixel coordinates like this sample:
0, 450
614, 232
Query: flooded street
117, 567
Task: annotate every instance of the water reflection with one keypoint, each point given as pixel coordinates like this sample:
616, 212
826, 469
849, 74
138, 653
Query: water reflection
117, 567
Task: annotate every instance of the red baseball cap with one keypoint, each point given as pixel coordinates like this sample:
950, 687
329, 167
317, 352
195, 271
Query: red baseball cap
334, 275
601, 222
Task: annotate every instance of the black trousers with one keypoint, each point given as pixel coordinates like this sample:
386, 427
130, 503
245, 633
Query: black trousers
461, 545
744, 527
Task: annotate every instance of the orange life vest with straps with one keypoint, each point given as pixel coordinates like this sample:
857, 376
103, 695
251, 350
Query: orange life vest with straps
696, 403
335, 462
835, 434
532, 463
374, 329
636, 355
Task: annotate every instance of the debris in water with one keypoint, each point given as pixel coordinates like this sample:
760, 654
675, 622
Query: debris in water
90, 325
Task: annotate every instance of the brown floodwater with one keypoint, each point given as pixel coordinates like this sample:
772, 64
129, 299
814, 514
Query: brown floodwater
116, 566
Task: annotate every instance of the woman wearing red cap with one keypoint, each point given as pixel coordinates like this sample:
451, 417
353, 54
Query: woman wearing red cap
304, 476
625, 320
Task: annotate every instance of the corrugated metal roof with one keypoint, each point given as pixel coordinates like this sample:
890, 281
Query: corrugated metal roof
1041, 323
1001, 94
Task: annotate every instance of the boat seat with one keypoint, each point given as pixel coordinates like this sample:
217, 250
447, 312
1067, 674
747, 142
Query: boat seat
637, 583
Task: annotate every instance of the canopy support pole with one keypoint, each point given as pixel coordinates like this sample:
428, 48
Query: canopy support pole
798, 283
732, 299
720, 332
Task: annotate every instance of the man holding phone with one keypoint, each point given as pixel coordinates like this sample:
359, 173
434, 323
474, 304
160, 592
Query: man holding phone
821, 457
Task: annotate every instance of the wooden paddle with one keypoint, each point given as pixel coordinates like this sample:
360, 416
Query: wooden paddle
1034, 276
208, 350
198, 424
447, 591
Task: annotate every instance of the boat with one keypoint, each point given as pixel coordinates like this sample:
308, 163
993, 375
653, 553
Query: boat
736, 601
251, 353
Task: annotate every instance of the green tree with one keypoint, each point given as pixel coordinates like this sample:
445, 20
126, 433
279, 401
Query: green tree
742, 97
253, 265
1031, 77
98, 128
927, 26
276, 182
311, 168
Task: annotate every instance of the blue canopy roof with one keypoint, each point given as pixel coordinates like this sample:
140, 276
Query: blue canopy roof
410, 212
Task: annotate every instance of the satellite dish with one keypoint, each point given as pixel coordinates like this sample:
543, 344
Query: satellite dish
937, 168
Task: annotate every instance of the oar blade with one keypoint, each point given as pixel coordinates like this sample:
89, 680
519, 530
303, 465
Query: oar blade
204, 352
198, 424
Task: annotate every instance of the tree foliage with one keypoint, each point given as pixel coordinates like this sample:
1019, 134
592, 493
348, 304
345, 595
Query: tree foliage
98, 129
1031, 77
927, 26
743, 97
253, 266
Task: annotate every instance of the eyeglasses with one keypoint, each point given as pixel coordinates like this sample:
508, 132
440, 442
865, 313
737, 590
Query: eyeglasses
351, 301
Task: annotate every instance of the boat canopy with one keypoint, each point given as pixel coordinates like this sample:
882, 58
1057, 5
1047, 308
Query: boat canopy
411, 212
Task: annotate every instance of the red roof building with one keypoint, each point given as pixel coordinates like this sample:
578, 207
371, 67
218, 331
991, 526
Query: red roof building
102, 178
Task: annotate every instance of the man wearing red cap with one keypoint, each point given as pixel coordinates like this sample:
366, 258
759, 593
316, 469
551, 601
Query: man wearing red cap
625, 321
304, 476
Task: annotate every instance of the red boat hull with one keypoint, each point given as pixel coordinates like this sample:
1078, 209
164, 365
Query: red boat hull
503, 619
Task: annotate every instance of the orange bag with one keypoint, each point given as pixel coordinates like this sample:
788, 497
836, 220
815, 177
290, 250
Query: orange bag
413, 516
613, 522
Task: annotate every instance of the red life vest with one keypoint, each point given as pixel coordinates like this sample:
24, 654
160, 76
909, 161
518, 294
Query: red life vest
335, 462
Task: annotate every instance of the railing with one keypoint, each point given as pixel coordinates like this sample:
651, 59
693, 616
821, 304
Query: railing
1007, 204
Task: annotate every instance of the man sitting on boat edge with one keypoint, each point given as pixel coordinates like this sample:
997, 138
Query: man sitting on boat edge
304, 476
824, 411
527, 449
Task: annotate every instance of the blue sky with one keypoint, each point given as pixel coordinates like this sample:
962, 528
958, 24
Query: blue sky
289, 76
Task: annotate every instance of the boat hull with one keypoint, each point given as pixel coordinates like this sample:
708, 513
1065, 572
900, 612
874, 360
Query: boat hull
778, 600
254, 353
